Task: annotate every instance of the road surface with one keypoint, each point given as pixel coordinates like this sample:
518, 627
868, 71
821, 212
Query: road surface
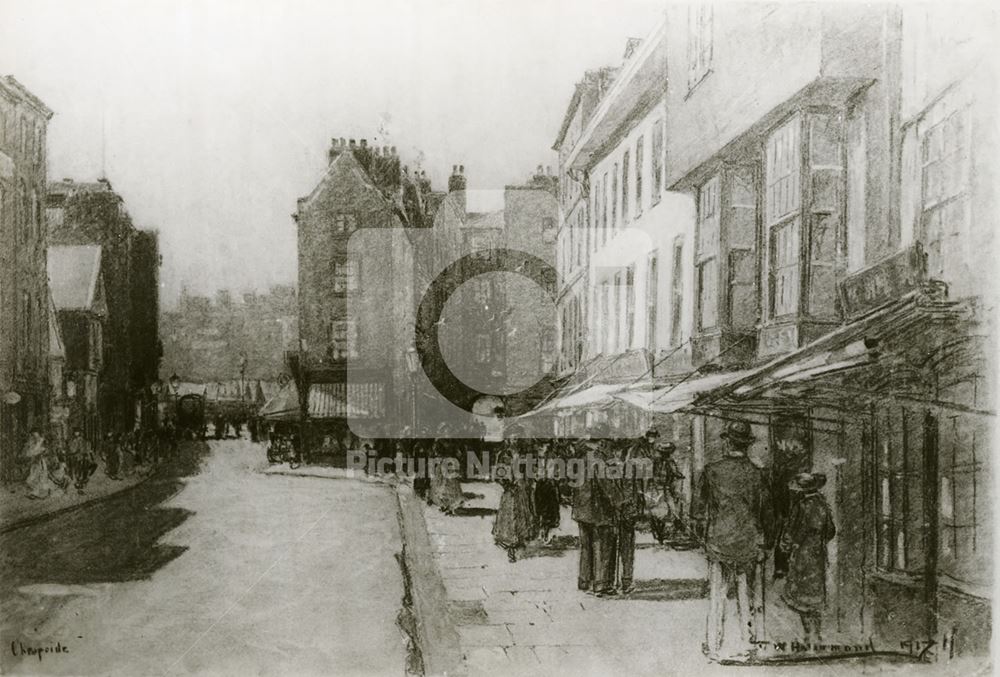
225, 571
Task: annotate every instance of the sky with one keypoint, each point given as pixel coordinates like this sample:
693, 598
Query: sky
210, 118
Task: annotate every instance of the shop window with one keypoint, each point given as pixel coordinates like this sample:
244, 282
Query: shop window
899, 482
652, 284
964, 500
708, 254
700, 39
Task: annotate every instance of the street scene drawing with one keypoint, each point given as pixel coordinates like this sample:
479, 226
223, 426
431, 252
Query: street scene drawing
501, 338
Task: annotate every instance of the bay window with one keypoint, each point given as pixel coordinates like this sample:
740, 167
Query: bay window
708, 254
782, 217
639, 152
657, 161
625, 193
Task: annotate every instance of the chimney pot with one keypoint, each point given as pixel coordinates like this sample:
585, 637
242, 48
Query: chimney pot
343, 142
548, 170
352, 144
461, 169
538, 170
364, 143
454, 169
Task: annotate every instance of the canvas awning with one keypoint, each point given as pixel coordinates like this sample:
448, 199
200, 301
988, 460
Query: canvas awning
666, 399
850, 347
326, 401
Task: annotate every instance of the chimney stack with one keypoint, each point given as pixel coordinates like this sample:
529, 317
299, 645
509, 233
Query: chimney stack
352, 145
364, 143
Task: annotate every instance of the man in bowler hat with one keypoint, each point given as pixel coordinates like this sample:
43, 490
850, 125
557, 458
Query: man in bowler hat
733, 511
594, 512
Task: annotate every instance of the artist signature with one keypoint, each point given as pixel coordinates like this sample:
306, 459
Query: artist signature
927, 650
19, 648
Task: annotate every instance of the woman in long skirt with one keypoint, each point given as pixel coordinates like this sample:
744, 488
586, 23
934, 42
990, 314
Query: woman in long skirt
546, 496
514, 525
446, 487
807, 532
38, 482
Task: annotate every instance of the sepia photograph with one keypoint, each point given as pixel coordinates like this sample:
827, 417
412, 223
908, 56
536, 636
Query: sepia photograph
427, 338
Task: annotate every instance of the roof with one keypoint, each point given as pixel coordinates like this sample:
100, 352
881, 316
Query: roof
10, 83
56, 347
75, 277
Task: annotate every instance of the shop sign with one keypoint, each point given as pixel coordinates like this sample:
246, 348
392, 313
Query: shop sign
883, 282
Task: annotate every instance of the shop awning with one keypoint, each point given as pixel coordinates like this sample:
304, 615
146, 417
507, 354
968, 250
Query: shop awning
853, 346
594, 396
326, 401
666, 399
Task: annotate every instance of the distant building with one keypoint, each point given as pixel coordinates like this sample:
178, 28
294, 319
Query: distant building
203, 339
363, 187
24, 292
79, 299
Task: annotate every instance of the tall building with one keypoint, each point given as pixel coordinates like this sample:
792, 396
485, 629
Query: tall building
362, 187
24, 289
81, 213
144, 328
828, 246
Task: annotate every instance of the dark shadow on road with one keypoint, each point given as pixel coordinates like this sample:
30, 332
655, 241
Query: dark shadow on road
112, 540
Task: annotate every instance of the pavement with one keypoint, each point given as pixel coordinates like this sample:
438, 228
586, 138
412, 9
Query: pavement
528, 618
222, 570
16, 508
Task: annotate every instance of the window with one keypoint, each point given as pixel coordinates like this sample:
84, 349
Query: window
699, 51
616, 308
345, 223
783, 218
785, 268
343, 339
657, 162
964, 499
604, 331
484, 348
676, 293
899, 487
945, 161
708, 254
629, 306
652, 282
625, 195
346, 276
857, 158
640, 146
604, 209
614, 198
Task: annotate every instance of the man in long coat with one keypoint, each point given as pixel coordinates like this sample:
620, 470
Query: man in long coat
594, 513
81, 460
733, 510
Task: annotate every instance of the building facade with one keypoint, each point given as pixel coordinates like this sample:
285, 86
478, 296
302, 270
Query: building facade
81, 213
24, 290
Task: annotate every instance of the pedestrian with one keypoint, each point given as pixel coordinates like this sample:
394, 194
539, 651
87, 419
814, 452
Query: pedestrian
594, 513
81, 460
58, 472
126, 454
219, 423
733, 509
546, 494
808, 530
112, 459
445, 487
514, 524
38, 482
665, 519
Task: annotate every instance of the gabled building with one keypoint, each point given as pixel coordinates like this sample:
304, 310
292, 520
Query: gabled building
80, 302
362, 187
24, 293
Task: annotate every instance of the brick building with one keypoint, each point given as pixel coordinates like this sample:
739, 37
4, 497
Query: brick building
24, 289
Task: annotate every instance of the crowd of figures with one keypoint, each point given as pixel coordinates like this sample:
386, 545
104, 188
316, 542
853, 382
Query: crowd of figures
732, 517
55, 464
